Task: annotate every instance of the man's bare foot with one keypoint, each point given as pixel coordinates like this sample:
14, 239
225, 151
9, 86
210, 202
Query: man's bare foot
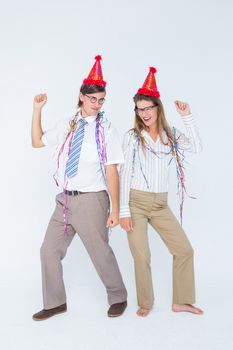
187, 308
143, 312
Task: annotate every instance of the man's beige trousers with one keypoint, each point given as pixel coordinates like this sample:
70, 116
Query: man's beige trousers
87, 215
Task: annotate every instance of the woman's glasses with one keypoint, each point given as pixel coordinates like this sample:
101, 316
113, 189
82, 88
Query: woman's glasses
140, 111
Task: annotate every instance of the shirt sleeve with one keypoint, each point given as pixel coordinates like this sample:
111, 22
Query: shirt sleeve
56, 134
126, 173
113, 148
190, 141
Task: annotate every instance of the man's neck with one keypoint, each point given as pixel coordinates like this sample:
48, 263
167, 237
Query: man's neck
84, 114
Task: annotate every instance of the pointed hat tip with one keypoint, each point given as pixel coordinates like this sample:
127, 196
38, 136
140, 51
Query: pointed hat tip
153, 70
98, 58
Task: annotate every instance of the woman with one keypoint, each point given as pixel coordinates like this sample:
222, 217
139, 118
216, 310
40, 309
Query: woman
149, 149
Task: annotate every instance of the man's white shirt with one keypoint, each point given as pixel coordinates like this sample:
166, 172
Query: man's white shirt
89, 176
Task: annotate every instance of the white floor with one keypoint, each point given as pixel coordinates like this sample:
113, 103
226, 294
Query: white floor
86, 327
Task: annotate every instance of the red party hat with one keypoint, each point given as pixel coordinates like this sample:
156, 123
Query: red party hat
95, 76
149, 87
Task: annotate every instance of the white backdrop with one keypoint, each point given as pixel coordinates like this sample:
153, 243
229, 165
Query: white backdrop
49, 46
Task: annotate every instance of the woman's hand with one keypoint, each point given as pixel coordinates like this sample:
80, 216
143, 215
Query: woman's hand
126, 224
39, 101
182, 108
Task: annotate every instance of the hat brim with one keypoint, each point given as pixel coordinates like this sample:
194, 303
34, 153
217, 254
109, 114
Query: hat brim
94, 82
147, 92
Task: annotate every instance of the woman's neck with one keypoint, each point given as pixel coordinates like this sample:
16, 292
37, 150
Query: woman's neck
153, 132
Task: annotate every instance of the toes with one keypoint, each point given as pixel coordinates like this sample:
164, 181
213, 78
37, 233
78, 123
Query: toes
142, 312
139, 313
199, 311
196, 310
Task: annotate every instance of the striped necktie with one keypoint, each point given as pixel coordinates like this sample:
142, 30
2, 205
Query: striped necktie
75, 150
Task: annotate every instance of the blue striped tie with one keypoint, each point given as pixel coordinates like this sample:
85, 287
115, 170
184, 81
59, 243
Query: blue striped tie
72, 163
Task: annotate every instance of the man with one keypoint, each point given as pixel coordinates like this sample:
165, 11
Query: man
89, 151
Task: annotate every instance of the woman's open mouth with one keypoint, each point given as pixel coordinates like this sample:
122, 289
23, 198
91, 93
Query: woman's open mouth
146, 119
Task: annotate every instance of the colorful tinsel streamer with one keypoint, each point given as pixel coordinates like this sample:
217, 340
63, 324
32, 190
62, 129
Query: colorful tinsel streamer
100, 143
179, 158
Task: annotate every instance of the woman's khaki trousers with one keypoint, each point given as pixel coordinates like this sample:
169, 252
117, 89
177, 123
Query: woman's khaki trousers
152, 208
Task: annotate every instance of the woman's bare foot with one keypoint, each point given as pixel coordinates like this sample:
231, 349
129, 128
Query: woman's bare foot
187, 308
143, 312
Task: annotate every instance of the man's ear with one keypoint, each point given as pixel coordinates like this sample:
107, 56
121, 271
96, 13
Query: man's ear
81, 96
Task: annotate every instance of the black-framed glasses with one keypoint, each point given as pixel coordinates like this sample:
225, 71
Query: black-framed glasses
94, 99
140, 111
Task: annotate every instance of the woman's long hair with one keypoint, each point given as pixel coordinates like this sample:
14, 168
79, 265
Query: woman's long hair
162, 123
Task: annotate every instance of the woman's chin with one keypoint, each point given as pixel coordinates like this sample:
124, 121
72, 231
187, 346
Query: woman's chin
148, 124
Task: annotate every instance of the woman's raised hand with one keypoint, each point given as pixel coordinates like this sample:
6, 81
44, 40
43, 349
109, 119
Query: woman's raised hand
182, 108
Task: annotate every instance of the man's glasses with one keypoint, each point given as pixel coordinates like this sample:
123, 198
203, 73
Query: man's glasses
140, 111
94, 99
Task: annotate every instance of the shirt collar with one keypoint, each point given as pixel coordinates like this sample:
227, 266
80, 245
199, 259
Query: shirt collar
147, 136
90, 119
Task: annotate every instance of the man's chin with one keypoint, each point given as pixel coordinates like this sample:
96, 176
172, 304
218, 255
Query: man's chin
94, 112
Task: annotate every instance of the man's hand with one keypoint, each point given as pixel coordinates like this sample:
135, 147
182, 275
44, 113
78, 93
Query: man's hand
182, 108
113, 220
39, 101
37, 132
112, 178
126, 224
